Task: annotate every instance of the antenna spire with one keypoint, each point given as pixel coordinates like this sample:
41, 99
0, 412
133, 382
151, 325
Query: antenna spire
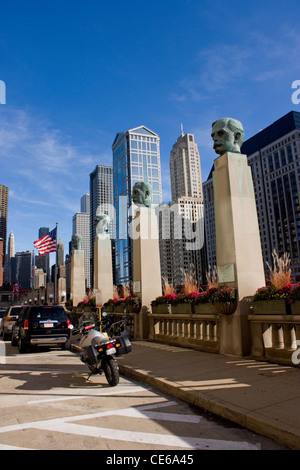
182, 130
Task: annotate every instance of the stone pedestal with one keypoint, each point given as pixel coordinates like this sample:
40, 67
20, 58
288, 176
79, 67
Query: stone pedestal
61, 290
238, 248
146, 264
77, 277
103, 277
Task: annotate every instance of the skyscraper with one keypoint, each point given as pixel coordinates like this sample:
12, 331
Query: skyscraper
136, 157
185, 168
3, 218
85, 203
24, 269
273, 155
81, 225
10, 256
101, 196
183, 254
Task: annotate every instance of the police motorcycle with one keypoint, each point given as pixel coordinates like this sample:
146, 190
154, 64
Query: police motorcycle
99, 351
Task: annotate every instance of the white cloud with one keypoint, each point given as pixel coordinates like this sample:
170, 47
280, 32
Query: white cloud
45, 173
229, 66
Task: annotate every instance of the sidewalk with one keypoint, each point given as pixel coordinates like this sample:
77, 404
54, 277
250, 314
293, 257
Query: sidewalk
259, 396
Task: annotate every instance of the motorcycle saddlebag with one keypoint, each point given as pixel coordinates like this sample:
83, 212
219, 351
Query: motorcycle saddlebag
123, 345
91, 355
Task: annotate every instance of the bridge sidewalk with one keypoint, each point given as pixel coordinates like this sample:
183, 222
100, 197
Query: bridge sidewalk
260, 396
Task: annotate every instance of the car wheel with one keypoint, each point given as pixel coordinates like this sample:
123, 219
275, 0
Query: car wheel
22, 346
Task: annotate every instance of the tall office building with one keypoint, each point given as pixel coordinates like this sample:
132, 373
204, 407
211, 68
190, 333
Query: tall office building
3, 218
183, 253
136, 157
43, 231
101, 196
273, 155
10, 257
185, 168
81, 225
60, 253
24, 270
1, 258
85, 203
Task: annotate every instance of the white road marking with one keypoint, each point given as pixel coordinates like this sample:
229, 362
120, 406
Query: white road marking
133, 413
94, 393
149, 438
7, 447
66, 426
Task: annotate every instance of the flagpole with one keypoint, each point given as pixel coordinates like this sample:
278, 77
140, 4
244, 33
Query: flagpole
56, 293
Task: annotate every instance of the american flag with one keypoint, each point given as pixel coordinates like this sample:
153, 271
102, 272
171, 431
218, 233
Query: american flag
16, 288
47, 243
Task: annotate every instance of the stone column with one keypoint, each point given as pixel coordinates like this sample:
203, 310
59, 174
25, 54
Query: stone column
146, 264
77, 277
238, 248
103, 277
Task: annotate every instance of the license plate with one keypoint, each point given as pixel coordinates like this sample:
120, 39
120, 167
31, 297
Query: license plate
48, 325
110, 351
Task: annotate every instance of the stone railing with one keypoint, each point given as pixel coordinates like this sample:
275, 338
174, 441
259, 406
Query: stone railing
275, 332
188, 330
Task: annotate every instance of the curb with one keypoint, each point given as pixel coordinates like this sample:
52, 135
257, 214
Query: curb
266, 427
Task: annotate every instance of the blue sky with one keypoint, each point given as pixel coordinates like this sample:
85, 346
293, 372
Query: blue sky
76, 73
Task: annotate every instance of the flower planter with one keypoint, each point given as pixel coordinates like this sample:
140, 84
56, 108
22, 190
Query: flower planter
161, 309
108, 308
204, 309
269, 307
185, 308
133, 308
225, 308
295, 308
119, 308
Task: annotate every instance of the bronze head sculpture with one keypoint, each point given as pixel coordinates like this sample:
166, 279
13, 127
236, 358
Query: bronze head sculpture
101, 222
228, 135
76, 241
142, 194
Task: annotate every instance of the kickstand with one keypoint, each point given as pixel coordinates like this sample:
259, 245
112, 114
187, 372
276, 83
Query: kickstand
91, 373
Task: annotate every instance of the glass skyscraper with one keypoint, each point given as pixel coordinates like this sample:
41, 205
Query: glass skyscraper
101, 194
136, 157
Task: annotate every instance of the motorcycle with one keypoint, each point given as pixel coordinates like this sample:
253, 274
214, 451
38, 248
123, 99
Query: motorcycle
97, 350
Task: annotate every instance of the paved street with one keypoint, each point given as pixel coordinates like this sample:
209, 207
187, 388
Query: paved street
47, 403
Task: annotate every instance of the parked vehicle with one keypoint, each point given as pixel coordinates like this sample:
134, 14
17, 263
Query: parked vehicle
3, 310
42, 325
97, 351
9, 318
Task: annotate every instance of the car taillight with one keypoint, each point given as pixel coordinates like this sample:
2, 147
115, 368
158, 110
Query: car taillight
9, 319
68, 322
109, 346
26, 324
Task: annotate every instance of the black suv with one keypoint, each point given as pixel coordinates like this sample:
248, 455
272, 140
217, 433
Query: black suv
42, 325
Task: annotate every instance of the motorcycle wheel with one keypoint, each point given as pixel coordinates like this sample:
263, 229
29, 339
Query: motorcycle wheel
111, 371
